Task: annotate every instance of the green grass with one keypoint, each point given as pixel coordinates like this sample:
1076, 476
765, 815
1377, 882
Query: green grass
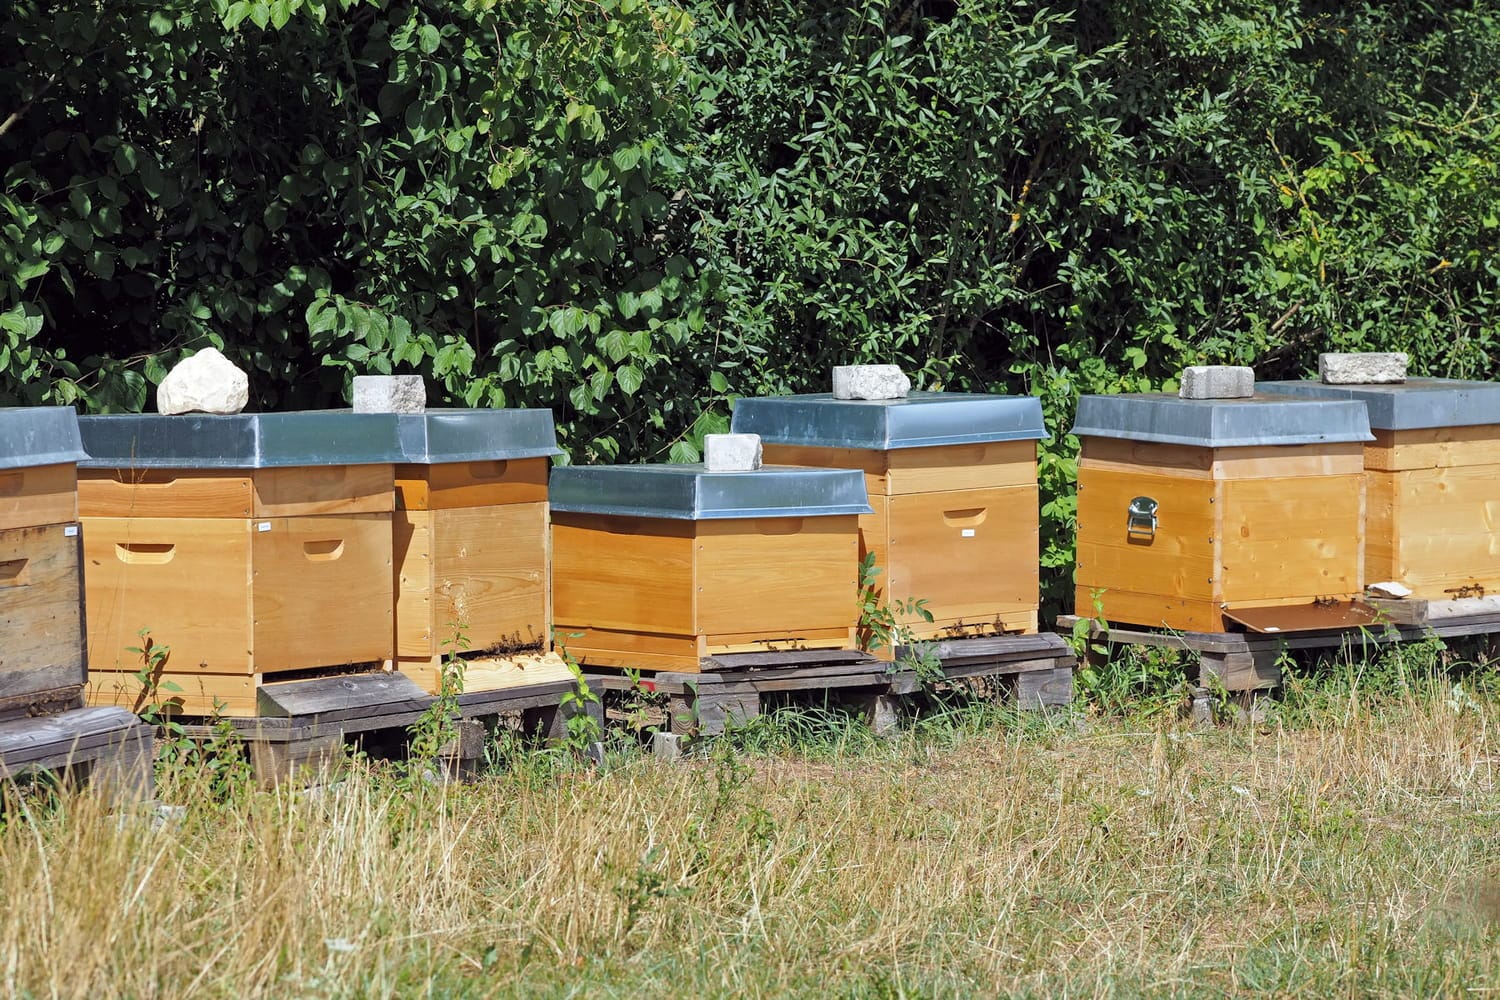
1346, 846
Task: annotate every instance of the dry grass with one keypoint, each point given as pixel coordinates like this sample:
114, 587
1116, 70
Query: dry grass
1353, 855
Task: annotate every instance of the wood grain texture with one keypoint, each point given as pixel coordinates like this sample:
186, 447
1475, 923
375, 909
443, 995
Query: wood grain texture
1151, 610
301, 491
991, 465
411, 561
197, 694
187, 580
41, 494
450, 485
1290, 538
1435, 529
1434, 448
776, 576
623, 574
1189, 462
1178, 562
871, 463
970, 554
41, 610
489, 575
323, 591
492, 673
164, 493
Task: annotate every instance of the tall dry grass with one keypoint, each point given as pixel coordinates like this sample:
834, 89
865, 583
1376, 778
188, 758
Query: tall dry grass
1354, 855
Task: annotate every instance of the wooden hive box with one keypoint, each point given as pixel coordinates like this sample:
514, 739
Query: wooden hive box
658, 566
1432, 482
471, 543
41, 583
953, 496
1188, 509
250, 545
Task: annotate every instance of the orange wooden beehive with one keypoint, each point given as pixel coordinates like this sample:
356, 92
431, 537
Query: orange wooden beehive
1188, 509
1432, 477
250, 545
471, 549
953, 492
41, 584
658, 566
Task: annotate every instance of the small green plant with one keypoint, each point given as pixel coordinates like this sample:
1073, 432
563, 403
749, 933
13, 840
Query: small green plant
880, 624
437, 726
580, 708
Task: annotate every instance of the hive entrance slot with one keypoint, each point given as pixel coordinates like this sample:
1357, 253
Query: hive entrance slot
323, 550
970, 517
13, 572
145, 553
488, 471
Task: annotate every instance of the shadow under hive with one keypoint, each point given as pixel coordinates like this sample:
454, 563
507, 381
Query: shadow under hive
1432, 481
659, 566
471, 543
953, 496
250, 545
1188, 509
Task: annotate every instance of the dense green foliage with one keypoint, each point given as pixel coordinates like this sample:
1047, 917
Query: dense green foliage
633, 210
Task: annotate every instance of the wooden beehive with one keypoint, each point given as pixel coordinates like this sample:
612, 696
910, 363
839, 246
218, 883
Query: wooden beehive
251, 546
953, 492
471, 544
1188, 509
41, 584
658, 566
1432, 482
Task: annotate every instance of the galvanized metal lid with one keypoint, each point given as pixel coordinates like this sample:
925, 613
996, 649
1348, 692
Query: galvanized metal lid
1262, 419
438, 436
1413, 404
239, 441
920, 420
691, 493
39, 435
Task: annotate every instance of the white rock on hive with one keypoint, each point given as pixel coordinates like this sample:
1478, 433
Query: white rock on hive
1362, 369
207, 382
1217, 382
731, 452
389, 394
870, 382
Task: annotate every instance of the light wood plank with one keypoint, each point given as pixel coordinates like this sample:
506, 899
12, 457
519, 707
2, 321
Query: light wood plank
198, 694
164, 493
185, 579
411, 558
776, 576
871, 463
623, 574
1151, 610
324, 489
1189, 462
1434, 448
1175, 563
449, 485
323, 591
489, 575
1445, 527
1288, 538
991, 465
41, 494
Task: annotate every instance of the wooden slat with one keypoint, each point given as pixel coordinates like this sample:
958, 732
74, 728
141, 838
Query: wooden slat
776, 576
451, 485
342, 697
749, 642
997, 648
1288, 538
25, 741
322, 591
164, 493
324, 489
991, 465
1434, 448
187, 580
489, 575
970, 554
785, 658
1177, 563
198, 694
1445, 527
1382, 533
1152, 610
411, 559
871, 463
41, 494
1189, 462
41, 610
623, 574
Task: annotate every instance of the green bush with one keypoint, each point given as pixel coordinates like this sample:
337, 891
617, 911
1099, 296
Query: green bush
633, 211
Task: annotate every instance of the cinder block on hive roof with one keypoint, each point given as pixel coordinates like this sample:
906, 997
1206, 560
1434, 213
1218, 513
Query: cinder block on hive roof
731, 452
1362, 369
389, 394
1217, 382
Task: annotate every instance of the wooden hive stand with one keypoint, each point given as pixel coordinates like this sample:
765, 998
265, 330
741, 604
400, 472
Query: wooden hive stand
251, 546
302, 729
1192, 511
1432, 482
953, 495
472, 549
1036, 670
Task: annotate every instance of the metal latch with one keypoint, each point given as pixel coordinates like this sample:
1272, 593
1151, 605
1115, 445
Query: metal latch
1140, 519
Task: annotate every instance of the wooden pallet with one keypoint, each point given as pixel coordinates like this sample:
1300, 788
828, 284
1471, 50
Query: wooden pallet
109, 748
1249, 661
303, 726
1038, 668
730, 688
